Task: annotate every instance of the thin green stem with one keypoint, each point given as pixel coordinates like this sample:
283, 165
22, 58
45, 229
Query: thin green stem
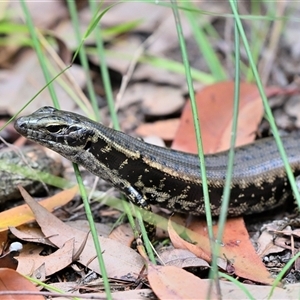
94, 233
104, 71
39, 53
83, 58
197, 130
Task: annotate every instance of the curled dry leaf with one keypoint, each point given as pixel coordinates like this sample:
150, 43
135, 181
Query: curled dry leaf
31, 259
121, 262
236, 247
266, 245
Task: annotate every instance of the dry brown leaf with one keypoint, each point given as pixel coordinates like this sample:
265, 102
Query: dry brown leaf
31, 252
83, 225
231, 291
19, 85
288, 232
123, 234
181, 258
265, 245
121, 262
30, 259
169, 282
162, 101
30, 233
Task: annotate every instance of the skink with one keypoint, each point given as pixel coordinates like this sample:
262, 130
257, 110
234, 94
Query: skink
149, 174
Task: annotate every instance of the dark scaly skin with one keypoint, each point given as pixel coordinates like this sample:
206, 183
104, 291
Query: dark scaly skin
149, 174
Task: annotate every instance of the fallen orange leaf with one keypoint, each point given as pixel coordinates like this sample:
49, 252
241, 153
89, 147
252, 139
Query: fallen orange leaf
215, 109
22, 214
236, 248
11, 280
169, 282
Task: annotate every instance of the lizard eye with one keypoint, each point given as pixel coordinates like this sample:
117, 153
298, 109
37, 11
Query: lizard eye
54, 128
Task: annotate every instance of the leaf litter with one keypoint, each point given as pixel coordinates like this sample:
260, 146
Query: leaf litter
121, 262
163, 77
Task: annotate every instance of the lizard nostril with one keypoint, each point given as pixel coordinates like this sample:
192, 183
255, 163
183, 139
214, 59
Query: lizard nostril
20, 125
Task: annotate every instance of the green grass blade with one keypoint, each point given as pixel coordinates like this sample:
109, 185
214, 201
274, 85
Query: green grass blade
205, 49
83, 59
104, 70
197, 132
94, 233
39, 52
268, 111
